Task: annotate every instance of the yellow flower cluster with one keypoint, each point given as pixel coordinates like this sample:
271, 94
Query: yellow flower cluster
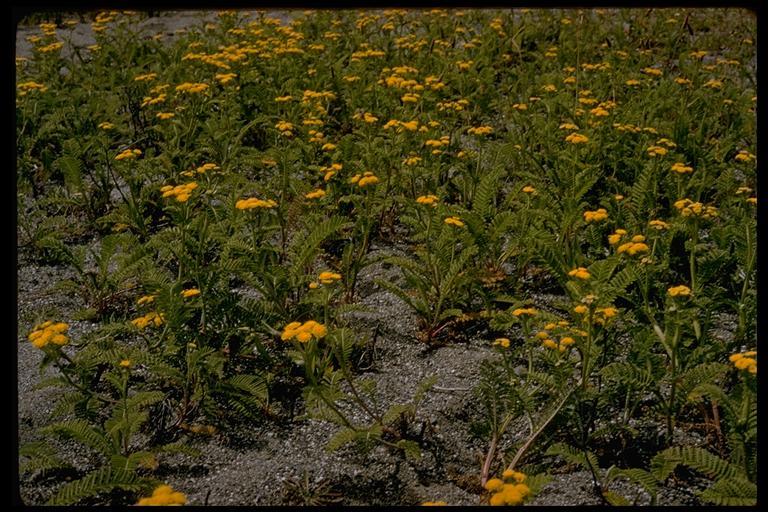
745, 361
149, 100
49, 332
454, 221
192, 88
26, 87
412, 160
225, 78
657, 151
658, 224
614, 238
304, 332
316, 136
164, 495
153, 317
285, 128
165, 115
106, 125
525, 312
580, 273
179, 192
577, 138
438, 143
681, 168
366, 54
560, 346
689, 208
596, 215
146, 299
145, 78
315, 194
128, 154
367, 178
666, 142
599, 66
328, 277
509, 491
635, 246
192, 292
457, 105
501, 342
252, 202
480, 130
430, 200
410, 126
679, 291
464, 65
713, 84
50, 47
366, 117
744, 156
652, 71
528, 189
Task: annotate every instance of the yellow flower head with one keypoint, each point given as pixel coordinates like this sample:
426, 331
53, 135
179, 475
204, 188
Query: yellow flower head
679, 291
164, 495
49, 333
580, 273
146, 299
681, 168
577, 138
252, 202
525, 312
368, 178
128, 154
303, 333
430, 200
315, 194
192, 292
595, 216
328, 277
454, 221
502, 342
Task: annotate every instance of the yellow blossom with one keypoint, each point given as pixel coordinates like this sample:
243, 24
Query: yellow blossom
49, 333
580, 273
502, 342
315, 194
595, 216
577, 138
454, 220
328, 277
681, 168
679, 291
428, 199
164, 495
304, 332
128, 154
252, 202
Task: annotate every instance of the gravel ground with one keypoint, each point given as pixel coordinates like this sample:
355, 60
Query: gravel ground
251, 465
